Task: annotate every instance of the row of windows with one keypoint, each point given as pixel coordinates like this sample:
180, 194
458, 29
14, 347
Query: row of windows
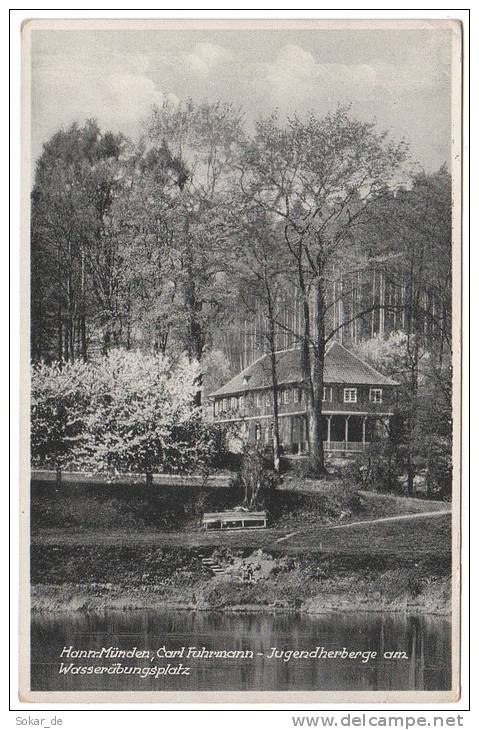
294, 395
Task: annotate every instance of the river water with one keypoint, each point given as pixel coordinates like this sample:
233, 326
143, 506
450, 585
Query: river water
422, 662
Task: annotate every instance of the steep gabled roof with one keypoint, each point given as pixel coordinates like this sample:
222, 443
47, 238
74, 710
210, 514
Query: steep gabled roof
340, 366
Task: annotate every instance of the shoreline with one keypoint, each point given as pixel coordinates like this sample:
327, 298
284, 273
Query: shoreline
137, 549
55, 600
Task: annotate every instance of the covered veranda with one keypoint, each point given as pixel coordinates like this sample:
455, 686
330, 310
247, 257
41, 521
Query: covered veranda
340, 432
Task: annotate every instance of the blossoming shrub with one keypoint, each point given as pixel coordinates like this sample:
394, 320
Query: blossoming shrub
59, 410
125, 412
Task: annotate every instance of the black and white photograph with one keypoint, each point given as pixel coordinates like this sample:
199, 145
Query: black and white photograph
241, 457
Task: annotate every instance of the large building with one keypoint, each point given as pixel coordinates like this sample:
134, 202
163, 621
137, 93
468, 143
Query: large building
358, 401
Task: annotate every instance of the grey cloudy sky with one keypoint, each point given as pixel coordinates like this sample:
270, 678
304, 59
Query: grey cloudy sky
400, 77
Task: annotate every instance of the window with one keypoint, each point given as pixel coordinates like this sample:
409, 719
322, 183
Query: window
267, 398
258, 400
241, 402
286, 396
280, 397
295, 395
216, 408
327, 393
376, 395
234, 402
350, 395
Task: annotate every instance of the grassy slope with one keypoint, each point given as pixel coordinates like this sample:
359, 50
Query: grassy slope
405, 540
95, 549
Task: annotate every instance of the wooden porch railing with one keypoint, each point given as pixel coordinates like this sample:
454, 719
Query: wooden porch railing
345, 446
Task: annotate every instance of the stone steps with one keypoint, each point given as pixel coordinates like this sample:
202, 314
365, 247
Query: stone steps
212, 565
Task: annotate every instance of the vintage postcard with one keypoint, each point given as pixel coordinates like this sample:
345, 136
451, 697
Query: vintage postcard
240, 474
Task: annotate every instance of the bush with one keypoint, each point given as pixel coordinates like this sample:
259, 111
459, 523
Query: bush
125, 412
255, 479
378, 470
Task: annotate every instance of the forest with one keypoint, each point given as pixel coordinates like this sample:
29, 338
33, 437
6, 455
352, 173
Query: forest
204, 244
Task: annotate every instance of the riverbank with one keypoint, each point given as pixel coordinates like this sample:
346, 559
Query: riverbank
345, 595
331, 549
339, 573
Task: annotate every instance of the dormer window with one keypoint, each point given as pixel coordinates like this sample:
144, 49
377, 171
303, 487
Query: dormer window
246, 379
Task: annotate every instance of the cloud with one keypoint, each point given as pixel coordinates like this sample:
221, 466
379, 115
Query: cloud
130, 96
297, 77
118, 99
118, 78
205, 58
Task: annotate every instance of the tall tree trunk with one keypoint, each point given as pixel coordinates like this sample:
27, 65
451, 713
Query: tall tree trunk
60, 332
196, 336
274, 380
128, 318
83, 338
66, 338
308, 390
69, 336
316, 452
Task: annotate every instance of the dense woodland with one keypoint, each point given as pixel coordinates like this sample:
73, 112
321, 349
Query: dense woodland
206, 242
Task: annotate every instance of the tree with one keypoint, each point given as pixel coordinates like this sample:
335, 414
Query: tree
59, 405
422, 443
254, 478
124, 412
195, 143
72, 267
260, 273
411, 229
318, 177
141, 413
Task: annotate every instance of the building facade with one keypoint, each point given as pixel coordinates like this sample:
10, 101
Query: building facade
358, 401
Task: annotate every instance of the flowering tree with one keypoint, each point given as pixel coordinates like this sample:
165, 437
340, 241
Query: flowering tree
141, 413
126, 412
58, 413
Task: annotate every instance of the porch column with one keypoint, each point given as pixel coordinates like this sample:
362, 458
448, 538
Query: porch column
365, 418
346, 428
328, 439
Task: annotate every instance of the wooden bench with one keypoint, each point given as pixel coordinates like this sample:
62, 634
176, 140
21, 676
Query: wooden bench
234, 520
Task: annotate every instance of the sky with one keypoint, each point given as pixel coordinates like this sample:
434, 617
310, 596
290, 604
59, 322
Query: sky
400, 78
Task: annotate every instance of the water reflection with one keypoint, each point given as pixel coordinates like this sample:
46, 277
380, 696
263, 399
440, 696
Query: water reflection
424, 640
